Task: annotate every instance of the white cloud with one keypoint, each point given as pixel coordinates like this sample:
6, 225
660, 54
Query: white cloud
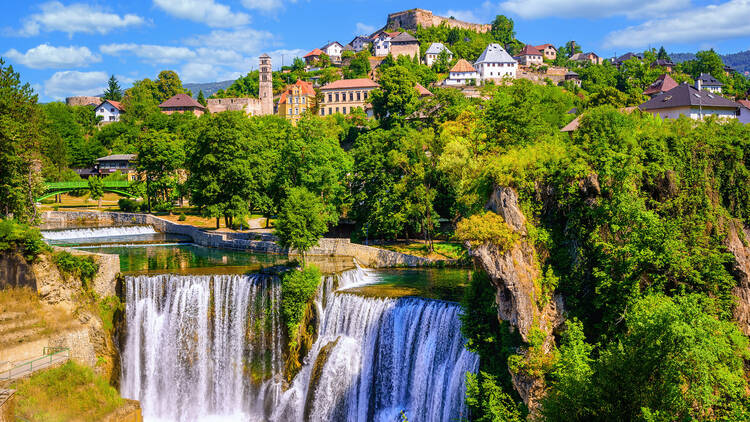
531, 9
206, 11
150, 53
364, 29
242, 40
72, 82
45, 56
463, 15
263, 5
709, 23
74, 18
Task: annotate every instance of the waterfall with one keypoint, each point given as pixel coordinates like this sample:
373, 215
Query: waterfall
201, 347
97, 232
209, 348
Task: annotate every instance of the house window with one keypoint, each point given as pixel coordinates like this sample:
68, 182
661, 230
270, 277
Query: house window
330, 98
351, 96
337, 97
343, 110
303, 100
322, 112
329, 111
359, 95
337, 109
112, 110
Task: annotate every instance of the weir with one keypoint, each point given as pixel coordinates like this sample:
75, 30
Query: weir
96, 232
210, 348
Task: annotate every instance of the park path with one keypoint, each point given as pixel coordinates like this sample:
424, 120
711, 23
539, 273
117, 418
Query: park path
28, 367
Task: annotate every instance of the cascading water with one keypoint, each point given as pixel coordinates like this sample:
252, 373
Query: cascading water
97, 232
190, 339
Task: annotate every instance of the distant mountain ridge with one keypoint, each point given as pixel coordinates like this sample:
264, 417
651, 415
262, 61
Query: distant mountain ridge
208, 88
737, 61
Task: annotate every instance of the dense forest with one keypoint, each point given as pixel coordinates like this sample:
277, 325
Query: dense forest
626, 221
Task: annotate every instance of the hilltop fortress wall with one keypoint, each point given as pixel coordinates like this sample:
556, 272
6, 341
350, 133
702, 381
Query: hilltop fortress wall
410, 19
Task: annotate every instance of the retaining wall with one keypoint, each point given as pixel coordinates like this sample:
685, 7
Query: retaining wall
256, 242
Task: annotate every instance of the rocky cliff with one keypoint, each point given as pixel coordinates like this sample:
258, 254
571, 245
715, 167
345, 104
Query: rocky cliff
738, 244
516, 274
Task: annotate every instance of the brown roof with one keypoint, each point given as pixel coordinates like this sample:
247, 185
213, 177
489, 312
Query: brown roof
744, 103
423, 92
182, 100
662, 84
116, 104
529, 50
404, 38
463, 66
351, 83
543, 46
314, 53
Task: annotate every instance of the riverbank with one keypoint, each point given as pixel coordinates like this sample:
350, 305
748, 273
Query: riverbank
257, 242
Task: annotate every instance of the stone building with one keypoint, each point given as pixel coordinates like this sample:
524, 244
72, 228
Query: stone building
266, 86
250, 106
411, 19
404, 44
83, 100
182, 103
343, 96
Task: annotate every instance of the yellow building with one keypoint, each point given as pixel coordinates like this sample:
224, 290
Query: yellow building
295, 100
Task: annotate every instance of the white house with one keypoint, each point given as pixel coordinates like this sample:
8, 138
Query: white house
685, 100
359, 43
495, 64
109, 111
462, 73
333, 50
382, 42
434, 51
707, 82
744, 111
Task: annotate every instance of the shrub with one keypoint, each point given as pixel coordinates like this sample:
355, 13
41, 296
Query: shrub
485, 228
128, 205
81, 267
21, 237
163, 206
297, 288
182, 217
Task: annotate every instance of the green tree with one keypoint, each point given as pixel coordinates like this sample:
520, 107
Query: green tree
359, 67
140, 101
502, 30
201, 99
396, 98
168, 84
113, 92
20, 126
302, 221
662, 54
160, 155
443, 62
298, 65
96, 189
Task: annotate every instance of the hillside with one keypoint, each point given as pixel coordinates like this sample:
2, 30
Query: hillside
738, 61
208, 88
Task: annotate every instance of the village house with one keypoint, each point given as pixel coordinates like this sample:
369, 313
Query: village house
296, 100
462, 73
549, 51
589, 57
360, 43
432, 53
529, 56
249, 106
124, 163
404, 44
744, 111
665, 64
573, 77
662, 84
333, 50
182, 103
109, 111
707, 82
312, 57
495, 64
423, 92
382, 42
345, 95
685, 100
625, 57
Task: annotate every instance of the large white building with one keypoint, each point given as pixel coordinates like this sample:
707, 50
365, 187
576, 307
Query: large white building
382, 43
462, 73
496, 64
432, 53
109, 111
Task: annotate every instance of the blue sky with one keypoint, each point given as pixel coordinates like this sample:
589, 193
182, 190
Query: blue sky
70, 47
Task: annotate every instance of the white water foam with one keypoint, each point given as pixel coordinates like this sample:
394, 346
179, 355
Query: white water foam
97, 232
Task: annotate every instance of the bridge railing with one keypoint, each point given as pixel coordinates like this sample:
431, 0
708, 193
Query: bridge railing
84, 184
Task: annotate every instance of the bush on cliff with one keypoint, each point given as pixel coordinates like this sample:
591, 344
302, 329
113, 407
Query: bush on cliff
486, 228
297, 289
81, 267
20, 237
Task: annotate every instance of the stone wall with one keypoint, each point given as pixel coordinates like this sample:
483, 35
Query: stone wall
250, 106
410, 19
255, 242
15, 272
411, 50
83, 100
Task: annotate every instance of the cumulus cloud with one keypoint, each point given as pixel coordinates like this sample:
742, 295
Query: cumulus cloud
150, 53
242, 40
710, 23
45, 56
363, 29
205, 11
77, 17
532, 9
263, 5
463, 15
72, 83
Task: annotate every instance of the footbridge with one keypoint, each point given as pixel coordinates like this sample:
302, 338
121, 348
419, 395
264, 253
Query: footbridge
120, 187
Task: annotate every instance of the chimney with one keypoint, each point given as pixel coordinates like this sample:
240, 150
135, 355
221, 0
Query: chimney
698, 84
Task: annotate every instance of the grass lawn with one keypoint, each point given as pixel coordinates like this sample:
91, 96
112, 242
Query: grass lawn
443, 249
70, 392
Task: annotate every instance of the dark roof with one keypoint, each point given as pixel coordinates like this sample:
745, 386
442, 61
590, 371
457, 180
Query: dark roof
684, 95
627, 56
330, 44
529, 50
360, 37
662, 84
662, 62
708, 80
182, 100
404, 37
117, 157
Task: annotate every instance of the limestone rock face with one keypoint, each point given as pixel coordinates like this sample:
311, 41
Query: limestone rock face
504, 201
741, 271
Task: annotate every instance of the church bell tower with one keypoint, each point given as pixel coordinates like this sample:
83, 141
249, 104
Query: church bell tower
266, 86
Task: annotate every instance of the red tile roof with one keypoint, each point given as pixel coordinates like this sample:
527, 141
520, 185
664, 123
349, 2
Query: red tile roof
463, 66
662, 84
423, 92
182, 100
529, 50
314, 53
116, 104
543, 46
745, 103
306, 88
351, 83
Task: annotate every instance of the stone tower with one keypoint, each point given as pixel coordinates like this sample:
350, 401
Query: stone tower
265, 91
